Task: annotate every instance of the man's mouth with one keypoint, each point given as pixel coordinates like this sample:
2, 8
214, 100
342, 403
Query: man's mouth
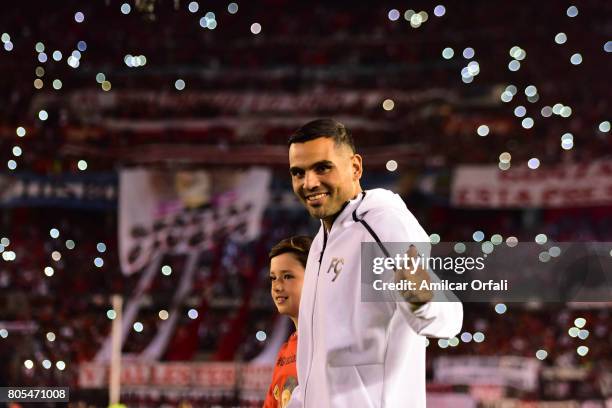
316, 198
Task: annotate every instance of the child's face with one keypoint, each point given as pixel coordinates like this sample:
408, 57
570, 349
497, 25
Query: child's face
286, 278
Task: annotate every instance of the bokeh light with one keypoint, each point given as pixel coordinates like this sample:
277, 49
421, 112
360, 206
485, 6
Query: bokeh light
439, 10
256, 28
582, 351
533, 163
560, 38
572, 11
82, 165
393, 14
511, 242
479, 337
541, 239
193, 6
388, 104
483, 130
576, 59
468, 53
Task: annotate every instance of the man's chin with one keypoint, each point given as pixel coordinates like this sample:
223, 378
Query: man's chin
317, 212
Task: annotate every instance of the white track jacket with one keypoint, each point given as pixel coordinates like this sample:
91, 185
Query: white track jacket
355, 354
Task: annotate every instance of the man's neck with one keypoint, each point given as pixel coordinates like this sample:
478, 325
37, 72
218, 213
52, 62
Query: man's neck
328, 222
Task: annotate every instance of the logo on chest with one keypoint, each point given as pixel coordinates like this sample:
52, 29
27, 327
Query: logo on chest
335, 266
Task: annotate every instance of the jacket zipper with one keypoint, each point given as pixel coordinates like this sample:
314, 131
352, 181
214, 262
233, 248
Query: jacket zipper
312, 336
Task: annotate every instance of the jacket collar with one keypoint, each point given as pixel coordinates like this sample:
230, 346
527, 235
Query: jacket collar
346, 212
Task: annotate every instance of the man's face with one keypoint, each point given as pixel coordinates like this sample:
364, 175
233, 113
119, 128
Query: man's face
324, 175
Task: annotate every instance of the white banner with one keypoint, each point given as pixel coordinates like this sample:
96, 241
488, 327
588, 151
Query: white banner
571, 185
517, 372
182, 212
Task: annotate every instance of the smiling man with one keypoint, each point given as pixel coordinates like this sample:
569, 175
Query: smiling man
325, 173
353, 353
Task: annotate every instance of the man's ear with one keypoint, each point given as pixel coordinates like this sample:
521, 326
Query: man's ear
357, 164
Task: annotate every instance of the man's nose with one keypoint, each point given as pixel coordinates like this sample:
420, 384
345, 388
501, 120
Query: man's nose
311, 181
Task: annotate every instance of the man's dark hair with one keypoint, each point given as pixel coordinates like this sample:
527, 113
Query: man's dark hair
298, 246
323, 128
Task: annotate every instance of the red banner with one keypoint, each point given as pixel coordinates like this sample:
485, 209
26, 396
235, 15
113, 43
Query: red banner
219, 376
572, 185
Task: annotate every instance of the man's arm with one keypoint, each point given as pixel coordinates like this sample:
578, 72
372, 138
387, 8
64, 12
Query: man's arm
429, 313
419, 296
439, 317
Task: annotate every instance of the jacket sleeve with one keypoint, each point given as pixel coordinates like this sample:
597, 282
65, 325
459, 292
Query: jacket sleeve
441, 317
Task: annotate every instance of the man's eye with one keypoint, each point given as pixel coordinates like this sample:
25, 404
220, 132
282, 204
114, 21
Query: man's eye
297, 173
322, 169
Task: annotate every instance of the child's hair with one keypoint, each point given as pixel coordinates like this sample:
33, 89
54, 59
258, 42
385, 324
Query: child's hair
298, 246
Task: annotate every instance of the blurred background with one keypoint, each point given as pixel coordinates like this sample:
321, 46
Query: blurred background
144, 154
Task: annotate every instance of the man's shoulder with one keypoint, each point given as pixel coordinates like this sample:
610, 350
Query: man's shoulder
394, 222
382, 213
